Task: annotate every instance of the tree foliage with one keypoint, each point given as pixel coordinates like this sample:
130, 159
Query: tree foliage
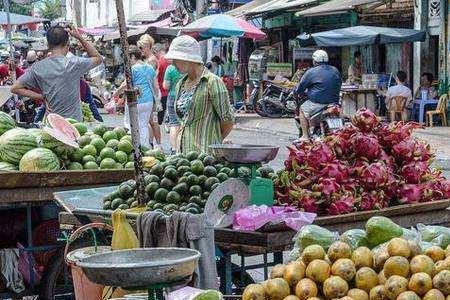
50, 9
21, 9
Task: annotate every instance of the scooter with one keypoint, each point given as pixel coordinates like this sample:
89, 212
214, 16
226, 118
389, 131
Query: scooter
324, 122
276, 102
99, 86
25, 107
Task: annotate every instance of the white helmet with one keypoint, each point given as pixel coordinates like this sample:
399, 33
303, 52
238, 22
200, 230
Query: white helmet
320, 56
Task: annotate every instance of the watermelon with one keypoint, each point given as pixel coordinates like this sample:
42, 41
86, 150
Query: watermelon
81, 128
39, 159
14, 144
37, 133
49, 142
59, 123
7, 167
6, 122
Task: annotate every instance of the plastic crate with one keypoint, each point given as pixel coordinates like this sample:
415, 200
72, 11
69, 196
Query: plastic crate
45, 234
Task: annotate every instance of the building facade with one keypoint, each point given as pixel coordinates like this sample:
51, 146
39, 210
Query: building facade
98, 13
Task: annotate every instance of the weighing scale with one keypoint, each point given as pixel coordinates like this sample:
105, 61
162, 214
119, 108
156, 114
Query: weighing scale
154, 269
252, 157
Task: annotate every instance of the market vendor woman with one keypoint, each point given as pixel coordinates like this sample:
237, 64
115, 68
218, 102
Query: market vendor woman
202, 103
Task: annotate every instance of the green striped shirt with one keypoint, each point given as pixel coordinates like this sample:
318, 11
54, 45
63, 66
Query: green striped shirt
209, 107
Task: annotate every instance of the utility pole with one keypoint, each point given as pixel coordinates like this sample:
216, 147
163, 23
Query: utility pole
131, 97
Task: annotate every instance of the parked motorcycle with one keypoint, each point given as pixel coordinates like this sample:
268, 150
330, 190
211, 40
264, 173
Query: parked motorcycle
25, 107
276, 101
100, 87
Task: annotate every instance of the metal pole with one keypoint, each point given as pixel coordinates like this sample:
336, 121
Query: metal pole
12, 63
131, 94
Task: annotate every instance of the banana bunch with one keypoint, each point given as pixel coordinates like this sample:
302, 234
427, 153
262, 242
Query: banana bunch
87, 113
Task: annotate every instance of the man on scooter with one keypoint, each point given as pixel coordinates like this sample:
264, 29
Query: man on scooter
322, 85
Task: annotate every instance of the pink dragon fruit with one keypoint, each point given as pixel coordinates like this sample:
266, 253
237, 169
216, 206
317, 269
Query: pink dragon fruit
303, 145
414, 172
305, 200
365, 120
392, 188
374, 176
339, 141
352, 186
342, 204
288, 165
444, 187
373, 201
366, 146
304, 180
411, 150
358, 166
319, 154
388, 160
336, 169
404, 151
327, 186
390, 134
410, 193
295, 158
440, 188
422, 151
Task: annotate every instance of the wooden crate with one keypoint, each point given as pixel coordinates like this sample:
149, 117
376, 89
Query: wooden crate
19, 187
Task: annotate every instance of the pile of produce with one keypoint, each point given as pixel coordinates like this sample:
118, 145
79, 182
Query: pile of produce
398, 269
181, 183
101, 149
367, 165
37, 149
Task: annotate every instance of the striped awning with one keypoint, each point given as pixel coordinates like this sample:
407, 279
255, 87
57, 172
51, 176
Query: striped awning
335, 7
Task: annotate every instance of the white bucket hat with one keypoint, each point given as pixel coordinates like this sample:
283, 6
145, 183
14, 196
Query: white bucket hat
185, 48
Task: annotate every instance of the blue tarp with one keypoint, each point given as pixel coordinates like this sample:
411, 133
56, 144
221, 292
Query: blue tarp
17, 19
361, 35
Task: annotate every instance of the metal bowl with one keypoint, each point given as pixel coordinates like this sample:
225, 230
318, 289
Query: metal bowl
246, 154
140, 268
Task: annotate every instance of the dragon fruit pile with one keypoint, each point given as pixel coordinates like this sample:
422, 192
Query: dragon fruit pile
365, 166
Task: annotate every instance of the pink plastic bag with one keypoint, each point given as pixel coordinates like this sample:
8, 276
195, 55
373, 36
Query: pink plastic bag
111, 107
254, 217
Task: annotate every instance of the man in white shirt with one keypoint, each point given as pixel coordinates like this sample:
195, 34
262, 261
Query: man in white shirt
399, 90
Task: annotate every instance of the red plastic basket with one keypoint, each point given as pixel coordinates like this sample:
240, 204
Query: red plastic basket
45, 234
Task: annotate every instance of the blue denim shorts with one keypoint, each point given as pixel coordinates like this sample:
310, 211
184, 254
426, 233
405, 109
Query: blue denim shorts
172, 119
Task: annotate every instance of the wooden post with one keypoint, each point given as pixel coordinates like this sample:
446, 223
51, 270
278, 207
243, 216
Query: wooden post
131, 97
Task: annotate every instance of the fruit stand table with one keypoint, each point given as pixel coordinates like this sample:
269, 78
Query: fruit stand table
23, 191
270, 240
82, 207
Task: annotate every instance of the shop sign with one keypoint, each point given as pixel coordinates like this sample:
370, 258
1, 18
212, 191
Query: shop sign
303, 53
434, 16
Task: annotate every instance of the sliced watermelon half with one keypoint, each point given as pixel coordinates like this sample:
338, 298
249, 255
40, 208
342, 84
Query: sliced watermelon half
59, 123
60, 136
